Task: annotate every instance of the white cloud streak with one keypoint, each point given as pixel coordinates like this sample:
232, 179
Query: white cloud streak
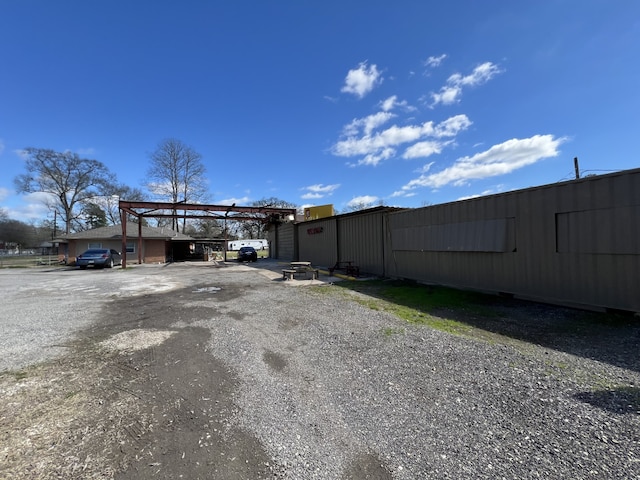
433, 62
362, 200
319, 191
500, 159
362, 80
393, 102
234, 200
367, 124
374, 148
451, 92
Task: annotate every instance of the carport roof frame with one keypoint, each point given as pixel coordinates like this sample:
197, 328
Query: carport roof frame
210, 212
157, 209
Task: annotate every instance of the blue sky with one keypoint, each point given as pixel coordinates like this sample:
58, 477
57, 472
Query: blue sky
405, 103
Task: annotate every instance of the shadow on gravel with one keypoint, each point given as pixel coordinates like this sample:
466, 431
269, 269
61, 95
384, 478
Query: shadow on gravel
620, 400
612, 338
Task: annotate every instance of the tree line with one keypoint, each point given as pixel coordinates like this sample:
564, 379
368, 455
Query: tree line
83, 193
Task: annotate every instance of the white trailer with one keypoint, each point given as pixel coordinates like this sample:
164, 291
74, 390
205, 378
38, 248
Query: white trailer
258, 244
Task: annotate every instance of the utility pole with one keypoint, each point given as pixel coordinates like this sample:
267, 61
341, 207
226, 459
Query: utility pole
577, 168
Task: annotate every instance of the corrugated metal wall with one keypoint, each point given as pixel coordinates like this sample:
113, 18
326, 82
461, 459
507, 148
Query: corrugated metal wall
318, 241
282, 243
571, 243
361, 240
357, 237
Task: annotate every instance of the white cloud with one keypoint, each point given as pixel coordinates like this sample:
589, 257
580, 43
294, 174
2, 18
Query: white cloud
311, 195
362, 200
393, 102
481, 74
374, 159
319, 191
382, 145
451, 92
435, 61
447, 95
233, 200
31, 211
500, 159
4, 193
425, 149
389, 103
452, 126
367, 124
32, 206
362, 80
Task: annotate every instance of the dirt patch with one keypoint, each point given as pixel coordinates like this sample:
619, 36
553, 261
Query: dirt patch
61, 421
146, 402
134, 340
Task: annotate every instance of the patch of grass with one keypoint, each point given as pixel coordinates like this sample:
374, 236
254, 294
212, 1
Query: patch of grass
608, 337
20, 375
390, 331
411, 302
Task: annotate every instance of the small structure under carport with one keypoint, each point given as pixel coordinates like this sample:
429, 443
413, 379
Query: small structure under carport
156, 245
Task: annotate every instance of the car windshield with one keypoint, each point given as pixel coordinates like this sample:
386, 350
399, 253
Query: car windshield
96, 252
246, 249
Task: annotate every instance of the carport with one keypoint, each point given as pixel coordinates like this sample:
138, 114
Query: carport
194, 211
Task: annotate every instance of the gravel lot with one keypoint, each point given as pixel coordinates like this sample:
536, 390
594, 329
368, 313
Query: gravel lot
273, 379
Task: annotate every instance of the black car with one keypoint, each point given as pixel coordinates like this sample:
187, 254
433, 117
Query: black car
247, 254
99, 257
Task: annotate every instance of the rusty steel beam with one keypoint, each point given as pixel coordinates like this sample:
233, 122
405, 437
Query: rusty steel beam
204, 217
212, 212
131, 208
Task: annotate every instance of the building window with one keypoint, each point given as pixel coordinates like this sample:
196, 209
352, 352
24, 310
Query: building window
131, 247
95, 245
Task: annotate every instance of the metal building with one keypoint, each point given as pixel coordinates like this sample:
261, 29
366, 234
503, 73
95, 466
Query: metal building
571, 243
358, 237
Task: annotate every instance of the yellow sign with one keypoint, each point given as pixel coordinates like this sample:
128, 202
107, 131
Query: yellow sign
321, 211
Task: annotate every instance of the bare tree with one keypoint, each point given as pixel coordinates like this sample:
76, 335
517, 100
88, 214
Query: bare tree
209, 228
110, 202
69, 181
257, 228
177, 175
361, 205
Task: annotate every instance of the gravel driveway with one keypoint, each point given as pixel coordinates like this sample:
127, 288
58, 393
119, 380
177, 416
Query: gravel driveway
253, 377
